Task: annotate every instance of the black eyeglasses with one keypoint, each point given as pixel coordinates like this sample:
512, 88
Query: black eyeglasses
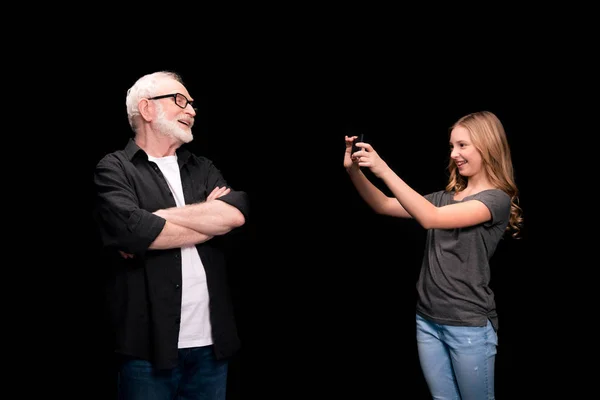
180, 100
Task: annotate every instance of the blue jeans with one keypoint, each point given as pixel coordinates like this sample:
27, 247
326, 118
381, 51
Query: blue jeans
457, 361
197, 377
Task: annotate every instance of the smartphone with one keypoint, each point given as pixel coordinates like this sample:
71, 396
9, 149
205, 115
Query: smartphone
360, 138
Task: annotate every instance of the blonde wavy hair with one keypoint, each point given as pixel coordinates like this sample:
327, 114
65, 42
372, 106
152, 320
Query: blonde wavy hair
489, 138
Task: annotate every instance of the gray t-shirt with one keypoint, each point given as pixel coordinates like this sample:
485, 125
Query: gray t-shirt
453, 285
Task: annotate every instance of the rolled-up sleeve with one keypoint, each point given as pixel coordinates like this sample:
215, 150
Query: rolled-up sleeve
239, 200
235, 198
122, 223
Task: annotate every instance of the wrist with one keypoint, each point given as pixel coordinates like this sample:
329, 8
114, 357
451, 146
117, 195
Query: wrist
384, 172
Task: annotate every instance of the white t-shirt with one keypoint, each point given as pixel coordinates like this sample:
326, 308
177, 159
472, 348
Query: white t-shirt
195, 328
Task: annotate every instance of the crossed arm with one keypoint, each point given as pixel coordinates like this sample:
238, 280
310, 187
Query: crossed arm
196, 223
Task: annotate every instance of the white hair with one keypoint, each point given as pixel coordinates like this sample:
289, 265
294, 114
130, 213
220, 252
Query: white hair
145, 87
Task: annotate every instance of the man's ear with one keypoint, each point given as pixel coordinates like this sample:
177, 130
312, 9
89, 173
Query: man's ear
147, 109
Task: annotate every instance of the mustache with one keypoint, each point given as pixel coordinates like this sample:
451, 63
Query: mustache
187, 120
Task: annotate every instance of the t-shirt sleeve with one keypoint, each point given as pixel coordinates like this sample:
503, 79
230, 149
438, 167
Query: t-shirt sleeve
435, 198
498, 202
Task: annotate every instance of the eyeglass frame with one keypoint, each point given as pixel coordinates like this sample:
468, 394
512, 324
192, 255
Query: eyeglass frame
174, 96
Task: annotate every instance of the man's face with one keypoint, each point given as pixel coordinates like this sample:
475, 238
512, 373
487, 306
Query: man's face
176, 125
172, 120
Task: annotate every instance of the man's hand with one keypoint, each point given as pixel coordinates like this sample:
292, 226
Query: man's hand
218, 192
125, 255
215, 194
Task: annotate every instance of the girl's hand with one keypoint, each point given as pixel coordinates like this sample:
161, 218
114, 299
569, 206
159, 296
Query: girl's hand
348, 159
368, 157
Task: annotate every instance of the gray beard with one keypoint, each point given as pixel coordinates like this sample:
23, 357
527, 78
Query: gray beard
172, 129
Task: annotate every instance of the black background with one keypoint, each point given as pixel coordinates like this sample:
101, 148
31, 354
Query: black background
323, 287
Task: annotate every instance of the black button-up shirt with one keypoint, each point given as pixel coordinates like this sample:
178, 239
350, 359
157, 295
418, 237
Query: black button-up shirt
144, 293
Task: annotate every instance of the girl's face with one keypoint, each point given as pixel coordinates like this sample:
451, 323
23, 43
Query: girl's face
466, 157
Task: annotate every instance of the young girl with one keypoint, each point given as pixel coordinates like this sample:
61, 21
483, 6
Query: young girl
456, 315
